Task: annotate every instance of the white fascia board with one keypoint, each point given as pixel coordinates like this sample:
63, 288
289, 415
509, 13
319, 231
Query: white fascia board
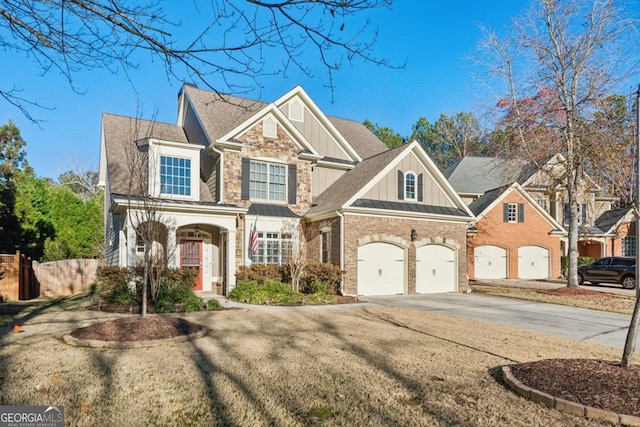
102, 168
164, 205
335, 165
324, 121
281, 119
530, 201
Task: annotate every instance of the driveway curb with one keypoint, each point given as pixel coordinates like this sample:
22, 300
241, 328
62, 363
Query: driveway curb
566, 405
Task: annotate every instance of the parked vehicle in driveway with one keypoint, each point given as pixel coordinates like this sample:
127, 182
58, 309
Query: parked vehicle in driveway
621, 270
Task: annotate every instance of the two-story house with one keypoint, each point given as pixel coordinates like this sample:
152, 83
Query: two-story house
522, 217
237, 181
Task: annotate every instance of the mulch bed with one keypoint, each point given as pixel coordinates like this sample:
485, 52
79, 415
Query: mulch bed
137, 328
596, 383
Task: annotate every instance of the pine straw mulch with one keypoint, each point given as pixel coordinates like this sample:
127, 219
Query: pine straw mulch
136, 328
572, 291
590, 382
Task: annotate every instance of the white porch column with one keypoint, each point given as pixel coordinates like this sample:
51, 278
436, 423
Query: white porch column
131, 246
172, 249
231, 260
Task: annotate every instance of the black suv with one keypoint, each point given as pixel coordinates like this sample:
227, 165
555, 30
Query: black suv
615, 269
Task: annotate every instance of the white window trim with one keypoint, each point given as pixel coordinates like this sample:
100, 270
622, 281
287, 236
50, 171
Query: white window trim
513, 213
286, 181
415, 186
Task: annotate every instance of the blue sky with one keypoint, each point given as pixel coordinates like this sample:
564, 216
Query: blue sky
434, 37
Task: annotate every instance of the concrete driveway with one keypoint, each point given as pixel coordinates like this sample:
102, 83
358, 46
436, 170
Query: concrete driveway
586, 325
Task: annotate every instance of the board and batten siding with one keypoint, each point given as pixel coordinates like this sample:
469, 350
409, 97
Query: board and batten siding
322, 178
387, 187
317, 135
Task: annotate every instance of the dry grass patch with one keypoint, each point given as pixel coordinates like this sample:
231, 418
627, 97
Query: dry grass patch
564, 296
292, 366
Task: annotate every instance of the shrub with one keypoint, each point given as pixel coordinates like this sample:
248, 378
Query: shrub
270, 291
329, 274
213, 304
261, 273
175, 293
564, 263
112, 284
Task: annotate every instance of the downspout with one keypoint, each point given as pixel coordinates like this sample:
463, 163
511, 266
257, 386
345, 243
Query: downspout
219, 173
342, 292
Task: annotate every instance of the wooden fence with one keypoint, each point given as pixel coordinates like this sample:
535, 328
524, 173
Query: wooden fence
66, 277
20, 278
16, 278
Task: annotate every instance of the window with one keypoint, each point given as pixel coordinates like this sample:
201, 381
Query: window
629, 246
543, 203
513, 212
269, 127
175, 176
326, 246
274, 248
267, 181
410, 186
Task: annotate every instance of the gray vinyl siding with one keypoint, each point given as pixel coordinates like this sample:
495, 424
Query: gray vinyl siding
317, 135
209, 165
322, 178
387, 187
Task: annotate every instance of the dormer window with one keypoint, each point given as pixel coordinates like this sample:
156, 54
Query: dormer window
410, 186
296, 111
269, 127
175, 176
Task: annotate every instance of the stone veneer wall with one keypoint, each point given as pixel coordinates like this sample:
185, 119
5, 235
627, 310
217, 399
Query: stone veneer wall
256, 146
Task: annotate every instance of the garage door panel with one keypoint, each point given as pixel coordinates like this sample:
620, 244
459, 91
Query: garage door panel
436, 269
490, 262
381, 269
533, 262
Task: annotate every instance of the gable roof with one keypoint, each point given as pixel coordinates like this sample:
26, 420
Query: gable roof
610, 220
120, 134
477, 175
220, 114
349, 188
489, 200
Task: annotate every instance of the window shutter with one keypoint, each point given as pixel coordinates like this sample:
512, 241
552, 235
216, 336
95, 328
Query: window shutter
293, 183
505, 212
420, 188
400, 185
520, 212
566, 213
584, 213
245, 182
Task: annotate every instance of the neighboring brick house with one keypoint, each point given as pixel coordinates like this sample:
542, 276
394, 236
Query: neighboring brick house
513, 237
300, 178
601, 228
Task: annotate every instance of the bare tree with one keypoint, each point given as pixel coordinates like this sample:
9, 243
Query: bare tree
243, 40
81, 181
560, 61
145, 208
296, 256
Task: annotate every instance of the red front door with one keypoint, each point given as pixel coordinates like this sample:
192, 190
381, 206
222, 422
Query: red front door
191, 257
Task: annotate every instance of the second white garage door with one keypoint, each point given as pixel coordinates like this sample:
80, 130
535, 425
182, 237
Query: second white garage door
533, 262
381, 269
490, 262
435, 269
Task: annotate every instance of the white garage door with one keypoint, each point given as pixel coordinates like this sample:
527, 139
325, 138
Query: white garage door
533, 262
435, 269
381, 268
490, 262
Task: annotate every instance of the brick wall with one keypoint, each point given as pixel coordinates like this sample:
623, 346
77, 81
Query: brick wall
359, 228
534, 231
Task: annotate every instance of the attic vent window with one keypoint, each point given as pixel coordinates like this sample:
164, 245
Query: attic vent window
269, 127
296, 111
